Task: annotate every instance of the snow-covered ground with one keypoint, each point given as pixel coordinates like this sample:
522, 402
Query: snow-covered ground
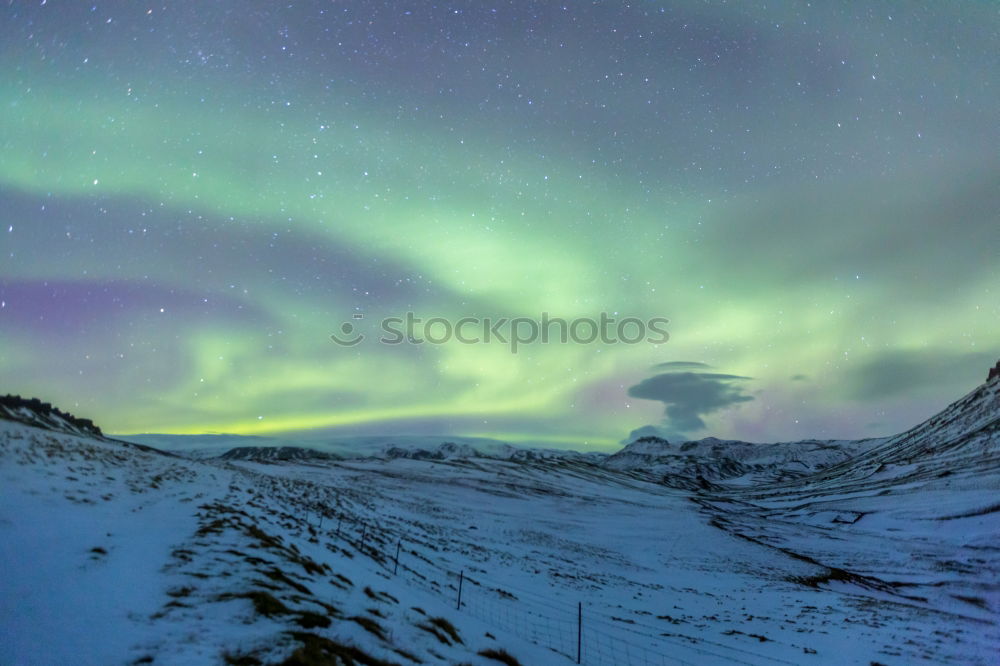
114, 554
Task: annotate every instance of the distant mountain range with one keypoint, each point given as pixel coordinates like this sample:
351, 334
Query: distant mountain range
697, 464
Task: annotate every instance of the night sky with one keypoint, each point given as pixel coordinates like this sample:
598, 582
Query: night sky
195, 195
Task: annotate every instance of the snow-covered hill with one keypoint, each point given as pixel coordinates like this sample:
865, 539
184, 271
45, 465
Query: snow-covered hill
34, 412
916, 517
115, 555
884, 551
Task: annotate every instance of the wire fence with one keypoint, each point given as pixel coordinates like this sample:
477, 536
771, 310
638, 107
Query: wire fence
578, 632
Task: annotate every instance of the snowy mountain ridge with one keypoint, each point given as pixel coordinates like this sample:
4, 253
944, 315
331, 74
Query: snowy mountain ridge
34, 412
353, 446
276, 454
731, 461
422, 447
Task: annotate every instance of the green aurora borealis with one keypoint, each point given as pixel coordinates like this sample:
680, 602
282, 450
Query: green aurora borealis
194, 197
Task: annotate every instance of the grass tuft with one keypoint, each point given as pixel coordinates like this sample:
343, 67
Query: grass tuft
448, 628
319, 651
263, 602
310, 620
500, 655
369, 625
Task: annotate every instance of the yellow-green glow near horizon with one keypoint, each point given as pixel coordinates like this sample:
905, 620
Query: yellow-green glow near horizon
808, 194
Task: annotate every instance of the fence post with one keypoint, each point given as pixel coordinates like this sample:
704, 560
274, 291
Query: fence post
395, 567
461, 578
579, 631
340, 518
